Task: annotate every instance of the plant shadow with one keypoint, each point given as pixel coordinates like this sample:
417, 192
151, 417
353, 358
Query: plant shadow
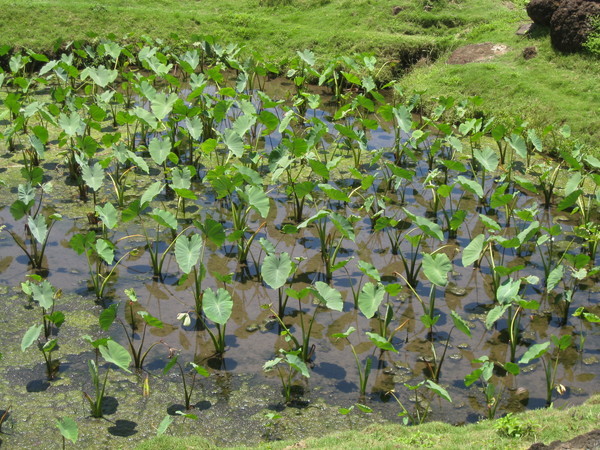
123, 428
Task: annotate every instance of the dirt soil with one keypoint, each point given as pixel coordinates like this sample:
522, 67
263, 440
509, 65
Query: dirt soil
589, 440
485, 51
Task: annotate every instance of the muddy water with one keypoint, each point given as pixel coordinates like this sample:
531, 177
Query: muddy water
253, 336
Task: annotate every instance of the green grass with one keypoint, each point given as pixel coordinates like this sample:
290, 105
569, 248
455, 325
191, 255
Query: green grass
549, 89
544, 425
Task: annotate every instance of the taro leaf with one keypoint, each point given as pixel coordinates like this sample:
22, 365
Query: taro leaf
57, 318
343, 225
535, 351
381, 342
105, 250
494, 314
108, 316
68, 429
436, 268
569, 200
472, 251
529, 232
519, 145
563, 342
345, 334
403, 118
473, 377
153, 190
217, 305
429, 321
276, 269
31, 336
470, 186
258, 200
101, 75
18, 209
590, 317
164, 218
164, 424
512, 368
508, 291
162, 104
187, 251
428, 227
81, 242
234, 142
181, 178
38, 227
267, 246
108, 215
159, 150
43, 293
150, 319
93, 176
333, 193
460, 323
370, 298
369, 270
72, 125
438, 390
116, 354
250, 176
329, 296
194, 127
487, 158
554, 277
213, 231
295, 362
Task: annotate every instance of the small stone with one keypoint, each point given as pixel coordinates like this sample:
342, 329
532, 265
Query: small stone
524, 28
463, 346
529, 52
455, 290
455, 356
252, 328
590, 360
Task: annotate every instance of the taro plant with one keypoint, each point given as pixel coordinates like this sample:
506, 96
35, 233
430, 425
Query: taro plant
100, 253
421, 408
138, 352
46, 348
584, 316
38, 226
188, 385
189, 254
484, 374
113, 353
217, 307
325, 297
365, 370
549, 362
275, 270
436, 367
44, 294
295, 364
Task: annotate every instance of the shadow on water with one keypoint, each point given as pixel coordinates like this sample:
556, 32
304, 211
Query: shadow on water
123, 428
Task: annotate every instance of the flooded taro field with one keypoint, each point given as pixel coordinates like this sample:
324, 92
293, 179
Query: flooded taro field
195, 243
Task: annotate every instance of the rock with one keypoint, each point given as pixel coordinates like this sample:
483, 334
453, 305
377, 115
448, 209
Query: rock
477, 53
396, 10
570, 25
529, 52
541, 11
524, 28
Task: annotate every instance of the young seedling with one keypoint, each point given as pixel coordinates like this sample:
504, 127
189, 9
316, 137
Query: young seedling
188, 389
550, 363
113, 353
295, 365
33, 335
421, 409
217, 307
45, 295
585, 316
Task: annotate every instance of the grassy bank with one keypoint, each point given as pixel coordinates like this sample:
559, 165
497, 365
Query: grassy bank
519, 431
550, 88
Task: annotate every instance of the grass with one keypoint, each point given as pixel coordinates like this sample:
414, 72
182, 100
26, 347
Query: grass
543, 425
552, 88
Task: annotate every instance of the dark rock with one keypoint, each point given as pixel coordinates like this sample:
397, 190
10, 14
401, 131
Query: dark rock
571, 24
541, 11
396, 10
529, 52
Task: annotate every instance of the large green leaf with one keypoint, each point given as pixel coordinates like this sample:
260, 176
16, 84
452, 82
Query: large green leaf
428, 227
31, 336
234, 142
153, 190
217, 305
187, 251
276, 269
162, 104
554, 277
296, 362
334, 193
100, 75
108, 215
164, 218
487, 158
43, 293
436, 267
381, 342
472, 252
159, 150
369, 270
116, 354
470, 186
258, 200
331, 297
105, 250
535, 351
38, 227
92, 175
508, 291
460, 323
495, 314
343, 225
370, 298
439, 390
